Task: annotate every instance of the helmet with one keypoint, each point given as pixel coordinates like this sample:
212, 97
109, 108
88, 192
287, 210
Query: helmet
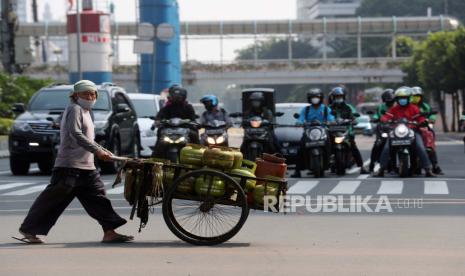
417, 91
177, 93
337, 91
209, 98
257, 96
403, 91
314, 92
388, 96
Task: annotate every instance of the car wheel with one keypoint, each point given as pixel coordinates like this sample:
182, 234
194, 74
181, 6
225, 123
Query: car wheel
45, 166
19, 166
112, 167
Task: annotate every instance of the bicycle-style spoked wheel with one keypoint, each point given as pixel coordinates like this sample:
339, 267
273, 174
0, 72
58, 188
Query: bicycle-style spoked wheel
212, 215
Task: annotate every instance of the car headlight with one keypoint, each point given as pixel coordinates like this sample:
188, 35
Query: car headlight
148, 133
220, 140
401, 131
314, 134
338, 140
167, 139
211, 140
22, 126
100, 124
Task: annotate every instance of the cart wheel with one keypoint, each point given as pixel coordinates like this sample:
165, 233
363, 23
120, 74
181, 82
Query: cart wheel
206, 218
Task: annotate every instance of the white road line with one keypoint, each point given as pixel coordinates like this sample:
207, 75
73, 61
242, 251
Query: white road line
302, 187
14, 185
345, 187
436, 188
357, 169
391, 187
30, 190
363, 176
116, 191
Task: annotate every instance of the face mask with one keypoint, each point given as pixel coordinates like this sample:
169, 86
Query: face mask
85, 103
403, 102
209, 107
416, 99
315, 100
339, 101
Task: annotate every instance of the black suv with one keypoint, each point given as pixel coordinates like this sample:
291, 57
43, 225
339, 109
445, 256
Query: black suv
34, 139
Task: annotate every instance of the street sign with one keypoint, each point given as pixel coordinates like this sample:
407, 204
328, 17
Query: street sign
165, 32
145, 31
143, 46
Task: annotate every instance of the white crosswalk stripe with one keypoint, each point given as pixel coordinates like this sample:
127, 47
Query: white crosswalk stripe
26, 191
391, 188
116, 191
345, 187
14, 185
302, 187
436, 188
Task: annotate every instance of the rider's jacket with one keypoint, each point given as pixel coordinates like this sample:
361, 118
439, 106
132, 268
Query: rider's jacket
309, 114
216, 114
410, 112
380, 111
344, 111
424, 107
182, 111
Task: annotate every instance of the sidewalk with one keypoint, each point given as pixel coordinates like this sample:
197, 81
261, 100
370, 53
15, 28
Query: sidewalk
4, 147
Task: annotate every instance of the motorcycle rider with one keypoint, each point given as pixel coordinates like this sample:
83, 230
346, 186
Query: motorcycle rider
317, 110
176, 107
213, 112
405, 109
388, 101
418, 99
342, 110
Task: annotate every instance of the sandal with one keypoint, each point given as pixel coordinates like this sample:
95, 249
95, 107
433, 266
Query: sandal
29, 238
120, 239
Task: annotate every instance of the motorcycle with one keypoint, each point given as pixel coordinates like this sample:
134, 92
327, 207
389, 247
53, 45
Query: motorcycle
174, 135
216, 134
340, 145
256, 141
316, 151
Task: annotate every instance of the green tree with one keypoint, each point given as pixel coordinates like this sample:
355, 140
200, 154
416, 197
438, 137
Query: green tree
278, 49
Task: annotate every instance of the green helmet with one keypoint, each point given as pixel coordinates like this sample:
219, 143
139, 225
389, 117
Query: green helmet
417, 91
403, 91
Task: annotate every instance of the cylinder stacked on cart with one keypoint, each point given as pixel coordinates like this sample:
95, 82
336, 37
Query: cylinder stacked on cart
230, 161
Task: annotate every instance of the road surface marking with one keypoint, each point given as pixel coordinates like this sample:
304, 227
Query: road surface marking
14, 185
436, 188
345, 187
116, 191
302, 187
27, 191
391, 187
363, 176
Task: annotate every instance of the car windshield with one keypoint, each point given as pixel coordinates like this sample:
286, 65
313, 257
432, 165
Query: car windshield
59, 99
364, 119
145, 108
288, 117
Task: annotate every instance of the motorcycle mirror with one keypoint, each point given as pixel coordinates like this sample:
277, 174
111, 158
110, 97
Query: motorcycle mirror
370, 112
279, 114
296, 115
235, 115
356, 115
152, 118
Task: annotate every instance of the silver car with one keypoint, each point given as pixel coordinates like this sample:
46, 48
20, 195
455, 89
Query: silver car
147, 107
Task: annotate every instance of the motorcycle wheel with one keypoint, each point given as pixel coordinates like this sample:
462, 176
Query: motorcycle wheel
172, 156
340, 163
404, 165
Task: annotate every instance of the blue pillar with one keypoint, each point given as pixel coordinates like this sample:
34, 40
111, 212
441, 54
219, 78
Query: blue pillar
168, 57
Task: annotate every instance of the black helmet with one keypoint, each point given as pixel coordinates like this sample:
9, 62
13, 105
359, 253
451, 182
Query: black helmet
388, 96
257, 96
177, 93
314, 93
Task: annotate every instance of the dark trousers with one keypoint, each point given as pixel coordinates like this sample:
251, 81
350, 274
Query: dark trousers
419, 148
65, 185
355, 152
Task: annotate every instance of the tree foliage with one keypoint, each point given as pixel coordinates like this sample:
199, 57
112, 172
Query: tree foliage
278, 49
17, 90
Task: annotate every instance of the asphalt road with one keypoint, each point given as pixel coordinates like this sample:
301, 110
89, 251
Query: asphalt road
421, 233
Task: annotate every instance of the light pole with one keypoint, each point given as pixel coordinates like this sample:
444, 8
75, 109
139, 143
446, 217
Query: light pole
78, 42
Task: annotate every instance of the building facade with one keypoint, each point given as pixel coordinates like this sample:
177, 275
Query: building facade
313, 9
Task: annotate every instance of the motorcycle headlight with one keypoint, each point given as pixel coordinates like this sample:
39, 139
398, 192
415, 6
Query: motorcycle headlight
211, 140
167, 139
180, 140
220, 140
22, 126
384, 135
255, 123
338, 140
401, 131
315, 134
